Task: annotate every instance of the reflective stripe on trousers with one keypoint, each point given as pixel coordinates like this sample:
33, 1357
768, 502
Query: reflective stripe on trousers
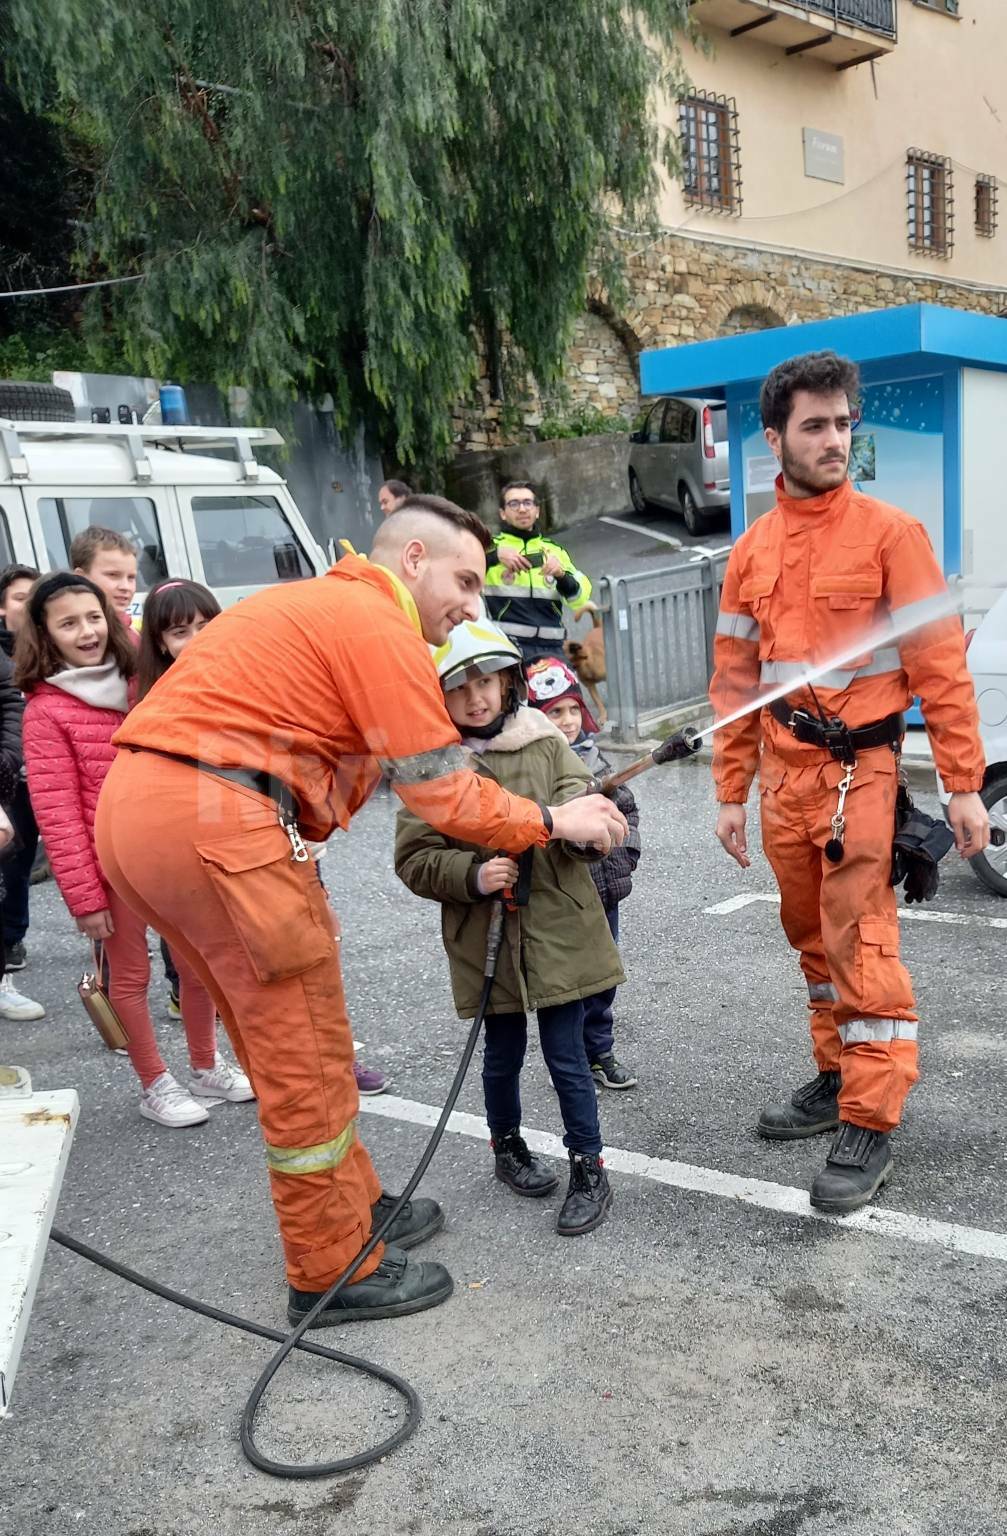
316, 1159
877, 1031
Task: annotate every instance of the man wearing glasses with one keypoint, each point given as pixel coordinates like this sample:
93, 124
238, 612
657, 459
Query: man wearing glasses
531, 578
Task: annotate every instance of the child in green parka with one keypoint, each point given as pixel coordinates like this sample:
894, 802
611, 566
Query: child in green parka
557, 949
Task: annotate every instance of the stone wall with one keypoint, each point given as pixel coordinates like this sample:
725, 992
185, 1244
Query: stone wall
684, 290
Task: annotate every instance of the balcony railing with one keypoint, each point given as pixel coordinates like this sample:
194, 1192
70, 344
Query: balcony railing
841, 33
873, 15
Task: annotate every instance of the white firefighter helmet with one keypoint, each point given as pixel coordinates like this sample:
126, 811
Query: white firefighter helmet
475, 648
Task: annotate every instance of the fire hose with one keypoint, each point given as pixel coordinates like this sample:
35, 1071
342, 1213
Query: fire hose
681, 745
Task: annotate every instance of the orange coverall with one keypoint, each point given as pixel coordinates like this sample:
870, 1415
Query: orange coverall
803, 583
323, 684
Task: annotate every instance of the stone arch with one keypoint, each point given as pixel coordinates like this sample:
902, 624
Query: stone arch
747, 307
602, 362
750, 317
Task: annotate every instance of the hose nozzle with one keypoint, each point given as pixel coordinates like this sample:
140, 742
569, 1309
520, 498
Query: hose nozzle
681, 744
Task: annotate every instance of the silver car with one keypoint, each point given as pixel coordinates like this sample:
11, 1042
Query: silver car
678, 459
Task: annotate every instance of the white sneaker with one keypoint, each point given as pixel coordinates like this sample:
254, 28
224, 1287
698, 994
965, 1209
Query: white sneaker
14, 1004
167, 1102
221, 1081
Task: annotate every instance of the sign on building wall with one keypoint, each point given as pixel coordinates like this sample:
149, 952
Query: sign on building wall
823, 155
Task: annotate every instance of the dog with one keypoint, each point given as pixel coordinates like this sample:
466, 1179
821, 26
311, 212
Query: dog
587, 658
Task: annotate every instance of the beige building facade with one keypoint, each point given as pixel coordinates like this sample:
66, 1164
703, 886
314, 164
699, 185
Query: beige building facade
837, 156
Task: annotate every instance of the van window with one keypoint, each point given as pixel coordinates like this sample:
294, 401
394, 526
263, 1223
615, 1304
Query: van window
246, 541
718, 420
64, 516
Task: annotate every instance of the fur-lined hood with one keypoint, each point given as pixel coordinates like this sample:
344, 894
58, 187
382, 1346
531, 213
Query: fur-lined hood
520, 730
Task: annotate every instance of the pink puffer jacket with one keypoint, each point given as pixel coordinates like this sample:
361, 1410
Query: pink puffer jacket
68, 751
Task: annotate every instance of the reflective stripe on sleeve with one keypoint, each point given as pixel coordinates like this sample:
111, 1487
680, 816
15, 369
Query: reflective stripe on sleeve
737, 626
316, 1159
886, 660
425, 765
877, 1031
822, 992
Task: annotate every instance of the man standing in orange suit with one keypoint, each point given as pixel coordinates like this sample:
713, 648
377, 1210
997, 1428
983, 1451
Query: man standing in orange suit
806, 581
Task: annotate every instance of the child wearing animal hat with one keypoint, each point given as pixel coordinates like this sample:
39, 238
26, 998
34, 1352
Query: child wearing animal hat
554, 689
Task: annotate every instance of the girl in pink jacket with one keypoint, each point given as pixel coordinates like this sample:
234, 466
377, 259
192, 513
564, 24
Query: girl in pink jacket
75, 664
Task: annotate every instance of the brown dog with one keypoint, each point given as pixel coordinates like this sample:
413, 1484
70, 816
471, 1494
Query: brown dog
587, 658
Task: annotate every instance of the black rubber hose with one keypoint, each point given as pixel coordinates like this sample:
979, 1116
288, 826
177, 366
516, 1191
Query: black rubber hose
295, 1340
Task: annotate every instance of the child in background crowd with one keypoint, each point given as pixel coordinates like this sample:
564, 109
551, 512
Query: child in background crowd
554, 689
13, 1004
16, 582
557, 949
174, 613
108, 559
75, 662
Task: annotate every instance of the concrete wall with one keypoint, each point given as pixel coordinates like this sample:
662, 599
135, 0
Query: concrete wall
575, 478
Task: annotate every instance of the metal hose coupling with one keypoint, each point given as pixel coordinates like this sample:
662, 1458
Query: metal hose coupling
683, 743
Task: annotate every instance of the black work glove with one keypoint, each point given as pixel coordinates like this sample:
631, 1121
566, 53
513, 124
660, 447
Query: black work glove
919, 844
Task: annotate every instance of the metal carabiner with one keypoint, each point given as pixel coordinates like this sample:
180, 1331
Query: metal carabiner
834, 848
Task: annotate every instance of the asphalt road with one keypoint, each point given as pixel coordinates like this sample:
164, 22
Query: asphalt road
633, 541
703, 1365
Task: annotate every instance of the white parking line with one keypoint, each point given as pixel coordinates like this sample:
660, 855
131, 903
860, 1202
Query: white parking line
874, 1220
649, 533
909, 914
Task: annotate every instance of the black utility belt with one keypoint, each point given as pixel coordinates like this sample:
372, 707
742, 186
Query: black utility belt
834, 736
251, 778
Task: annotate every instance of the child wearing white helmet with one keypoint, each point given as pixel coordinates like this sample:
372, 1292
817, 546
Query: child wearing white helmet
557, 948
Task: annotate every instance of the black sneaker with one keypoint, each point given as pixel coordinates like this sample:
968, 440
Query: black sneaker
417, 1220
17, 957
812, 1110
858, 1163
611, 1073
400, 1285
588, 1198
516, 1166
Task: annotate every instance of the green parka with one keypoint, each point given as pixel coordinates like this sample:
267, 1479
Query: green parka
558, 947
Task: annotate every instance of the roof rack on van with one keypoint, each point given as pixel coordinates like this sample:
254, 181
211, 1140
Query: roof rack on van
241, 441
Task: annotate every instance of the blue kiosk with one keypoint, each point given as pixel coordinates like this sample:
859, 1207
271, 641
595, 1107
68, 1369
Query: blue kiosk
933, 437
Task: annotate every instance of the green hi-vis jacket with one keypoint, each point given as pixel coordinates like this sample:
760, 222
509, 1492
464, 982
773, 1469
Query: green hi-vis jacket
525, 604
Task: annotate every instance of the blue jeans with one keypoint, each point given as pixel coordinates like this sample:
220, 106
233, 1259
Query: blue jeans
17, 869
561, 1031
599, 1031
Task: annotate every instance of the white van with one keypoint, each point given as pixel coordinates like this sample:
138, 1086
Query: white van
226, 521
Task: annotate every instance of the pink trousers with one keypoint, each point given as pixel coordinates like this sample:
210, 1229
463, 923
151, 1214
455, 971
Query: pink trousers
129, 979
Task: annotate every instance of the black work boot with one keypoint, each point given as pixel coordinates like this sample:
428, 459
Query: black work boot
588, 1198
417, 1220
858, 1163
516, 1166
812, 1110
398, 1286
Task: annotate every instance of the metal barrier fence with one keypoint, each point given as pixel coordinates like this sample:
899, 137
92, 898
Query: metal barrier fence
659, 628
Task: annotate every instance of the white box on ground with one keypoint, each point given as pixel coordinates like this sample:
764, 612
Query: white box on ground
35, 1137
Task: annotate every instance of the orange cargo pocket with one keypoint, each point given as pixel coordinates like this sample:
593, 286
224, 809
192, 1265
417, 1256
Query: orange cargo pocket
879, 981
277, 907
